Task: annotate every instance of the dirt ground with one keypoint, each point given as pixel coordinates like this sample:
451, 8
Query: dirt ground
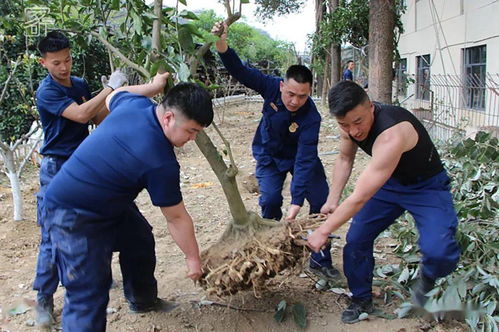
205, 201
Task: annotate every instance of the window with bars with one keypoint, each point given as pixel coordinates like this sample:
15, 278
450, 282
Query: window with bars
474, 76
402, 78
423, 77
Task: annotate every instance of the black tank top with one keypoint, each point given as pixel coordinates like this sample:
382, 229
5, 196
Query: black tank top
417, 164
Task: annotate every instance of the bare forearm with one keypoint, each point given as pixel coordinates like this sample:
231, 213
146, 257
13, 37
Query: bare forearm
101, 115
342, 214
182, 231
341, 174
89, 109
148, 89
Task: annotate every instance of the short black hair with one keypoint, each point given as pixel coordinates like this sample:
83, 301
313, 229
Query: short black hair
300, 74
54, 41
349, 61
344, 97
192, 101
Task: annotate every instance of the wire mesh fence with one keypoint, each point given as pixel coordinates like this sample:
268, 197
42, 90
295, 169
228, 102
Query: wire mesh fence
461, 105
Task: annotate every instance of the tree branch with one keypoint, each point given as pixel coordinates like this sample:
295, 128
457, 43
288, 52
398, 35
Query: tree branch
232, 170
4, 91
28, 155
3, 146
231, 18
25, 136
120, 55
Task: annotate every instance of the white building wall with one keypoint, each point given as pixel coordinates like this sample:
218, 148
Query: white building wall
443, 28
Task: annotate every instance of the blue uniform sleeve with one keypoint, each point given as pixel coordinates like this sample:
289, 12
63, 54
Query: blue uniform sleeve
125, 99
52, 100
163, 185
306, 157
250, 77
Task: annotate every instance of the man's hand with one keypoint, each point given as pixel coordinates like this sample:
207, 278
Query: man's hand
116, 80
328, 208
317, 240
194, 271
221, 29
292, 212
160, 80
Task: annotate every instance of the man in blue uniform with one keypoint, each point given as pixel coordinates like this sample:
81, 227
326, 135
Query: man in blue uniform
348, 73
85, 202
65, 106
285, 142
404, 174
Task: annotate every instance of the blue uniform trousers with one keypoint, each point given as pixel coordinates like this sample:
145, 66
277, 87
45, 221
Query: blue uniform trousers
271, 181
82, 249
430, 203
135, 242
46, 279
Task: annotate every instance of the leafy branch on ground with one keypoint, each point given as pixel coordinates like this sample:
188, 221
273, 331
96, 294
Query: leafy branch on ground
473, 288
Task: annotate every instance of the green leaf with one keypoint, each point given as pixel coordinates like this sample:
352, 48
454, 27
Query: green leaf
137, 22
146, 43
183, 73
280, 311
184, 2
185, 39
188, 15
300, 315
404, 276
115, 5
244, 1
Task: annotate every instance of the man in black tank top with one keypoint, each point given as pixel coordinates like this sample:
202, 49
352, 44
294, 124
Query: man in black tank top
404, 174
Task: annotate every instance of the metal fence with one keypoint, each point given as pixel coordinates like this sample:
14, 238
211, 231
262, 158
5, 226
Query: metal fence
454, 104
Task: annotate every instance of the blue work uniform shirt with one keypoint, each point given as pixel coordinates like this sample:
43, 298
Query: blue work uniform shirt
125, 154
287, 138
62, 136
347, 75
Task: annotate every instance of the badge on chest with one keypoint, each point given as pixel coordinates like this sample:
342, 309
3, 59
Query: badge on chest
292, 127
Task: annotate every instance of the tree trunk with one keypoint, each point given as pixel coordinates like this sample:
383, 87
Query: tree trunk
226, 176
320, 10
156, 25
10, 170
325, 81
335, 68
381, 34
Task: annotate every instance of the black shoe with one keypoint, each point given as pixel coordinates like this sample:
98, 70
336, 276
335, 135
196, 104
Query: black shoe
328, 273
158, 305
44, 312
355, 309
420, 289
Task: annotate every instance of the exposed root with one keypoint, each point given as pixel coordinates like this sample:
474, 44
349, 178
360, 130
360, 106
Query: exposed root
246, 258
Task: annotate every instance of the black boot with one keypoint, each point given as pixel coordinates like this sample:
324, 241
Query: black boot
44, 311
355, 309
157, 305
420, 289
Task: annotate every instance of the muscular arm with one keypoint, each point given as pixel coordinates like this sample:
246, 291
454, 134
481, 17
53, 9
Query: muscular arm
88, 110
181, 228
341, 172
148, 89
386, 153
101, 115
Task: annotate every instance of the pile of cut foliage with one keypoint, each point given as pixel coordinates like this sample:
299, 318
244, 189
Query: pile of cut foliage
473, 166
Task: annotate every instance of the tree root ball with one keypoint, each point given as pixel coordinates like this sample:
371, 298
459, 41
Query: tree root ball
233, 265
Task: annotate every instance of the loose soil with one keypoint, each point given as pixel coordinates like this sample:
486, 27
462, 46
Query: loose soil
206, 203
